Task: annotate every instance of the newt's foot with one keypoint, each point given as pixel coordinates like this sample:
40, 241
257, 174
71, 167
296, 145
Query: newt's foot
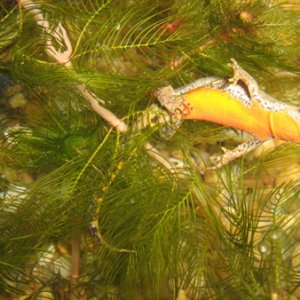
236, 71
240, 74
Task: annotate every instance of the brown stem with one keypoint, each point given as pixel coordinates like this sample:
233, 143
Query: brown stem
75, 264
106, 114
64, 58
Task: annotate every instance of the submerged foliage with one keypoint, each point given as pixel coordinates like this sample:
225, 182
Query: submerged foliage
227, 234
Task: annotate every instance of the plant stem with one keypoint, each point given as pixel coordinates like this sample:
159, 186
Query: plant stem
75, 264
64, 58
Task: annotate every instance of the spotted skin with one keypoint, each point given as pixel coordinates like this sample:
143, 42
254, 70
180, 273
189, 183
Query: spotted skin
237, 102
176, 106
237, 92
237, 152
266, 101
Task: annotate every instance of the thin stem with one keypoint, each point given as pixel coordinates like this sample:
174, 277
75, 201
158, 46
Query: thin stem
75, 264
153, 152
106, 114
64, 58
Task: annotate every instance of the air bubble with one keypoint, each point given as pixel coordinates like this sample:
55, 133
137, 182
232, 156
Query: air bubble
276, 236
264, 247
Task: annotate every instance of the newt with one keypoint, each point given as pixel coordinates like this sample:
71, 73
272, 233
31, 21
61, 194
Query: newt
237, 102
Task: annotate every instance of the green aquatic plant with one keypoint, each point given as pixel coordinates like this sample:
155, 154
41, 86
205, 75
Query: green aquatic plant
113, 210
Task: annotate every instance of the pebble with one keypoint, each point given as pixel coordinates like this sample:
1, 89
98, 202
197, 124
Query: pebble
17, 100
181, 295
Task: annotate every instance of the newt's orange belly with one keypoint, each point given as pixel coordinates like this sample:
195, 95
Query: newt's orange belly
219, 107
